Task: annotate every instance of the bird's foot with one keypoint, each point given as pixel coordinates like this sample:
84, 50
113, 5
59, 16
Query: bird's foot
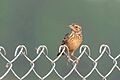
77, 61
68, 58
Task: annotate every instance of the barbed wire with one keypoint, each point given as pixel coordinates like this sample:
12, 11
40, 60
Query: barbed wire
42, 49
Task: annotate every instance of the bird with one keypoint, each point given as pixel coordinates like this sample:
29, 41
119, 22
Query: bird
72, 40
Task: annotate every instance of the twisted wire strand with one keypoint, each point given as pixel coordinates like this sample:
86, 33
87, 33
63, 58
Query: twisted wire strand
42, 49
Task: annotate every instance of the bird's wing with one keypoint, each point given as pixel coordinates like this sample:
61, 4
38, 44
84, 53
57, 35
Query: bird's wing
64, 41
66, 37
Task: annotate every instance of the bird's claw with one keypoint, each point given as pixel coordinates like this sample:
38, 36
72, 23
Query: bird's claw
77, 61
68, 58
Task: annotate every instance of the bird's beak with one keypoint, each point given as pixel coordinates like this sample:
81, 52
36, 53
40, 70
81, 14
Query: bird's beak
71, 27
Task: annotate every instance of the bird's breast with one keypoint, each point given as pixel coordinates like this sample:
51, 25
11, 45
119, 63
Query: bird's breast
74, 42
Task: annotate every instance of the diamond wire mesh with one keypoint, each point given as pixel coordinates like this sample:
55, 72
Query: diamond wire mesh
84, 49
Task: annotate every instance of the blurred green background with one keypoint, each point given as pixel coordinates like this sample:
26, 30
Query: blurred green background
36, 22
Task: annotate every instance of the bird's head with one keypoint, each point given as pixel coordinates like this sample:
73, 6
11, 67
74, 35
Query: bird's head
76, 28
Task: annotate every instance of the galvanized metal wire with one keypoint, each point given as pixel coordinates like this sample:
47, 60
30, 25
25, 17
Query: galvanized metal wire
42, 49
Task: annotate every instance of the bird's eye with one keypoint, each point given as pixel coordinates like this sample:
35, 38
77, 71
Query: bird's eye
76, 27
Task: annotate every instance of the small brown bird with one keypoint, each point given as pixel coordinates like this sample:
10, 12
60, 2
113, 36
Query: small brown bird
72, 40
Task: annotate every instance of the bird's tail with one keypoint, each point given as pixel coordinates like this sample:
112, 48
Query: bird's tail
60, 52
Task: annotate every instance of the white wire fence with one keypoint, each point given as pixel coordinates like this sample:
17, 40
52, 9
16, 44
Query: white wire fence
42, 49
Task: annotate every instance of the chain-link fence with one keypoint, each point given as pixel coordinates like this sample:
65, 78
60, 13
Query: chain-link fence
42, 49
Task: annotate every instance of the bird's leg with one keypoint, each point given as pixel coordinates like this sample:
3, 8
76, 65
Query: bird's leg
68, 58
77, 61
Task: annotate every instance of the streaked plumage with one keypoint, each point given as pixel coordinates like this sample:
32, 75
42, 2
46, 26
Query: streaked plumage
73, 40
